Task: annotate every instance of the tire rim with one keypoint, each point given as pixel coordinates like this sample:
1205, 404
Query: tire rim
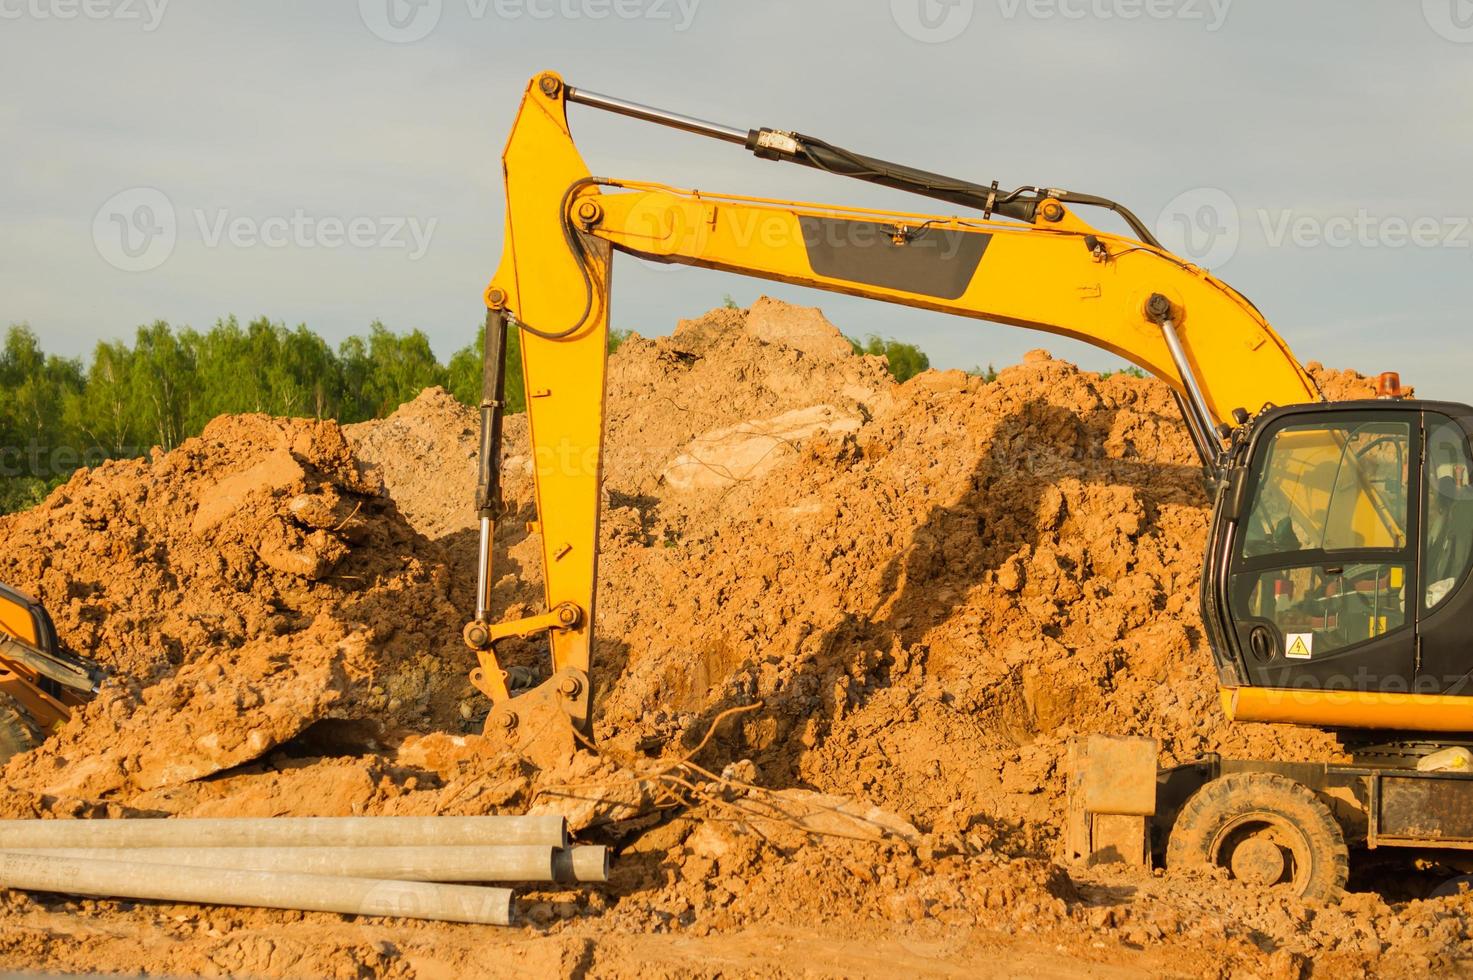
1263, 849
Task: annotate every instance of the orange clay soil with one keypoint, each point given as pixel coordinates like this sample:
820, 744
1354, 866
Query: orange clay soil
912, 595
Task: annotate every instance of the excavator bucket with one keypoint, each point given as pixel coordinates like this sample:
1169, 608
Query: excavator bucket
1110, 799
536, 726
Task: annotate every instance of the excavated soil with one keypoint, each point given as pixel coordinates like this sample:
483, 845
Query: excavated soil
847, 628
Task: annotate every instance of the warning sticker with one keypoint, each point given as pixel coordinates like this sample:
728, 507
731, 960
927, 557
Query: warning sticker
1301, 646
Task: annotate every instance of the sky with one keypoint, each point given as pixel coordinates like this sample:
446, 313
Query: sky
336, 162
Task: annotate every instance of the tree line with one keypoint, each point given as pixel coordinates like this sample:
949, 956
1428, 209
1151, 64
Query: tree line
58, 413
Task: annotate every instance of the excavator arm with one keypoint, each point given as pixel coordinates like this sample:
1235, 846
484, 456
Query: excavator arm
1042, 267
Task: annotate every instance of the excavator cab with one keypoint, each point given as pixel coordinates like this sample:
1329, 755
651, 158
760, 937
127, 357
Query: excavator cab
1337, 585
40, 683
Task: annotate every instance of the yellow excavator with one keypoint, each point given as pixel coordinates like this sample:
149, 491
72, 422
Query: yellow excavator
40, 684
1335, 585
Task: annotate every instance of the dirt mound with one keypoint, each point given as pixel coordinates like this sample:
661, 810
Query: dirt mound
724, 871
239, 589
846, 628
928, 606
722, 370
1341, 386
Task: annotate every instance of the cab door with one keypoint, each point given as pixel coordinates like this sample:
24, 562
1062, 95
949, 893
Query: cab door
1446, 599
1323, 565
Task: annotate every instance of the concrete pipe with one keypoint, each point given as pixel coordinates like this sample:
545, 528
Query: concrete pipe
459, 863
587, 864
550, 831
257, 889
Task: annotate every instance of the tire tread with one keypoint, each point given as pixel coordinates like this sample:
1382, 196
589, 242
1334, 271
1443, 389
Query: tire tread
1237, 793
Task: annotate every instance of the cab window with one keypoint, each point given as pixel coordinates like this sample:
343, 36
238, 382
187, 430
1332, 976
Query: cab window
1326, 541
1448, 547
1331, 487
1320, 609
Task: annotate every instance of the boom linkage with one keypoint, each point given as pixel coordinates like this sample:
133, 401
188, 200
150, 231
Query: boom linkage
1044, 268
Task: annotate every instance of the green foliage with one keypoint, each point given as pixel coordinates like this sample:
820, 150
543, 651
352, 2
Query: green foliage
161, 369
465, 369
57, 414
987, 374
39, 393
465, 372
1130, 371
101, 414
22, 492
729, 303
264, 368
905, 360
392, 370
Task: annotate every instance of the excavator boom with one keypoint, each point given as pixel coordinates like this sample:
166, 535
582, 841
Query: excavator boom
1337, 585
1027, 260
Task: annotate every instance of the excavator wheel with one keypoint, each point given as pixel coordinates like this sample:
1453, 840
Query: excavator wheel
17, 734
1267, 830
